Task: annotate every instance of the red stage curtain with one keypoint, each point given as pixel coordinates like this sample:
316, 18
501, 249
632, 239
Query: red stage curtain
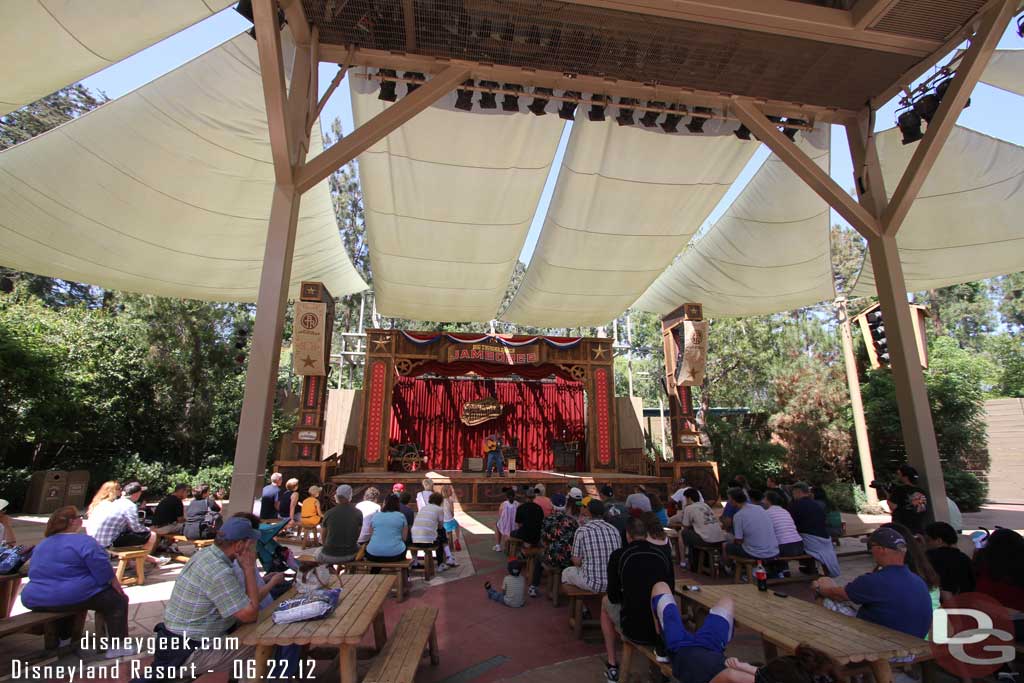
426, 411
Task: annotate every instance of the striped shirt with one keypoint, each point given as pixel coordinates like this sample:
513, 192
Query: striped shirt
594, 544
110, 520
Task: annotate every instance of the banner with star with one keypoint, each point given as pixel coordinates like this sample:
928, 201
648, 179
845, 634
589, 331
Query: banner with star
309, 338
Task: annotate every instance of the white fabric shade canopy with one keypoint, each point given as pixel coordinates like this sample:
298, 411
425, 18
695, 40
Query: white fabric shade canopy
627, 200
448, 199
1006, 71
768, 252
47, 44
966, 223
165, 191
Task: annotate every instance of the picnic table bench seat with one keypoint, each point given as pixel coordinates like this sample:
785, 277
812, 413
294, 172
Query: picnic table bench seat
577, 599
136, 554
44, 623
402, 568
744, 566
401, 656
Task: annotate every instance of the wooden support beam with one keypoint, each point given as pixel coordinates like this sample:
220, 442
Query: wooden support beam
366, 135
971, 66
275, 94
818, 180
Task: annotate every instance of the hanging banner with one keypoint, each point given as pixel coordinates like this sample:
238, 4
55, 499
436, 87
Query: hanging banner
690, 372
309, 338
494, 353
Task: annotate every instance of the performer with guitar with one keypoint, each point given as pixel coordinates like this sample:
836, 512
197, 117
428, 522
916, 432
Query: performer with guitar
492, 451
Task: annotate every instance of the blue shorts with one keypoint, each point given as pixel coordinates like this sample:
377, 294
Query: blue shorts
451, 526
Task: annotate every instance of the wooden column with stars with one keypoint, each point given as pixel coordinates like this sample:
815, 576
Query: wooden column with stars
312, 331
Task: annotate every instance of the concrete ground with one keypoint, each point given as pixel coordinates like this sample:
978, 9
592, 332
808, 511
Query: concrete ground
480, 641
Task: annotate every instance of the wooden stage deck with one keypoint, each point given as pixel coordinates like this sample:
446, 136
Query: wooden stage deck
477, 492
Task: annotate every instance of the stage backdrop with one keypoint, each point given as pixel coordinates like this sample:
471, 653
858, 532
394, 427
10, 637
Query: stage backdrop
426, 411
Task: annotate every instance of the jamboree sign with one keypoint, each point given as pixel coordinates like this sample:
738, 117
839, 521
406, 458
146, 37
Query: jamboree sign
495, 353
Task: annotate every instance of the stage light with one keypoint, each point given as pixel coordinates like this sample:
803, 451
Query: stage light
417, 78
488, 100
464, 97
596, 112
926, 106
625, 117
696, 124
388, 88
671, 122
743, 133
909, 123
568, 109
540, 100
511, 102
650, 118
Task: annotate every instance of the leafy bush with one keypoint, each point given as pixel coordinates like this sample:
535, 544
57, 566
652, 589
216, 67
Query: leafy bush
847, 496
966, 490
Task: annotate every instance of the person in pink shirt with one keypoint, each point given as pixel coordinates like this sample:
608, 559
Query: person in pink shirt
541, 499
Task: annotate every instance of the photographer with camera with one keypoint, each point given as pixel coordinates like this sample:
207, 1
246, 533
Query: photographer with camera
907, 502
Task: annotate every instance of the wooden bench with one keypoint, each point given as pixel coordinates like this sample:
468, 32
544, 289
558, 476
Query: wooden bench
629, 648
746, 566
400, 658
401, 568
123, 556
429, 564
577, 598
44, 623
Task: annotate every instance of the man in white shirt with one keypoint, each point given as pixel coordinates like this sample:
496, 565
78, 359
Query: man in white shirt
369, 507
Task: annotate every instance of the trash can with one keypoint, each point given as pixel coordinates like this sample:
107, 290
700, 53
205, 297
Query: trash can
46, 492
77, 485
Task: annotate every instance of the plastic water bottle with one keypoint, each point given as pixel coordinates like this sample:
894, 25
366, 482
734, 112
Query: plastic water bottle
761, 576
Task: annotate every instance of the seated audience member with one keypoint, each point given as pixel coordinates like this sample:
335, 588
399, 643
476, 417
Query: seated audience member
956, 574
542, 500
288, 501
753, 532
805, 665
529, 525
268, 584
202, 518
790, 542
633, 570
387, 534
268, 497
809, 518
369, 507
656, 535
208, 601
404, 498
999, 572
696, 657
117, 525
311, 514
615, 511
513, 587
892, 596
6, 525
427, 529
71, 572
917, 561
700, 527
342, 525
638, 501
594, 543
657, 508
557, 533
169, 515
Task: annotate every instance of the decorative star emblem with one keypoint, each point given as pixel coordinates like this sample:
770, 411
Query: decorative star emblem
599, 351
381, 343
308, 361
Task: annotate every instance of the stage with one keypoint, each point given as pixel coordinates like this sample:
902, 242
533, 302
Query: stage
477, 492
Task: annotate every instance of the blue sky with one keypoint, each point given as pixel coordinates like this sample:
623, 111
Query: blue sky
992, 111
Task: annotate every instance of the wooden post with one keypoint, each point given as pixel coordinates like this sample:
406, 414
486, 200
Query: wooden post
860, 425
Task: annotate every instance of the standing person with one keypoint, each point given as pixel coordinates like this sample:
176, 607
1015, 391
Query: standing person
428, 528
451, 525
506, 520
310, 509
368, 506
202, 519
907, 501
268, 497
529, 523
754, 535
790, 542
117, 524
700, 527
342, 525
513, 587
632, 571
423, 497
387, 534
593, 545
557, 533
542, 500
169, 515
809, 518
70, 572
288, 500
956, 575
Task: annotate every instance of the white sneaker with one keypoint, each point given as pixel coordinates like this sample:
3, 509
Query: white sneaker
124, 652
497, 547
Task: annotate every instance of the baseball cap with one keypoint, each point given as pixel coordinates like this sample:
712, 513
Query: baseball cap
238, 529
887, 537
131, 488
576, 493
398, 488
558, 501
344, 491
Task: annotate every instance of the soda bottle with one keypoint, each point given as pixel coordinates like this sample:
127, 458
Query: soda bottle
761, 576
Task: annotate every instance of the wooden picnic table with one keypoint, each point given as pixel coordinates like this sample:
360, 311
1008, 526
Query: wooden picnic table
360, 607
784, 623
